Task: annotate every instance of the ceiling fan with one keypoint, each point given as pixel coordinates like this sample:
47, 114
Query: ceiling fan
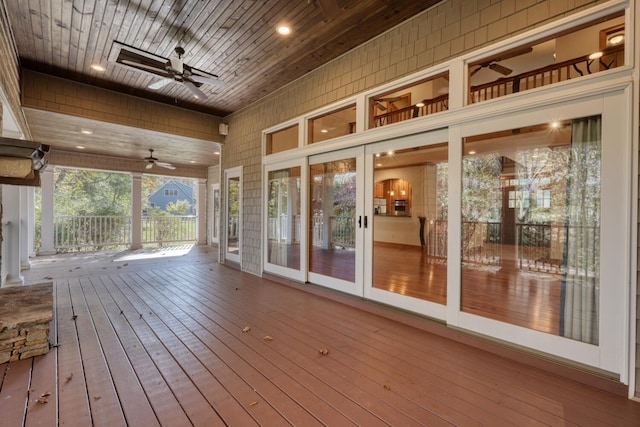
492, 64
171, 70
379, 102
154, 161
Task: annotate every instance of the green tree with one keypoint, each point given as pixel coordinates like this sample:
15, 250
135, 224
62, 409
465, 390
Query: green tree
179, 207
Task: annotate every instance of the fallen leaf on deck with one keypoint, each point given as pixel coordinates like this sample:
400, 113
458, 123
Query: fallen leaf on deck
125, 264
386, 387
42, 400
324, 351
140, 316
253, 403
97, 397
74, 317
45, 394
77, 268
268, 338
69, 378
48, 278
246, 329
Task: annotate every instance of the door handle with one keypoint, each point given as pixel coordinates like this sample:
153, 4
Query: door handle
359, 221
365, 221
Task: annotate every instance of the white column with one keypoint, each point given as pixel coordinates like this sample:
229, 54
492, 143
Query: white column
11, 215
24, 228
136, 210
201, 205
46, 212
31, 221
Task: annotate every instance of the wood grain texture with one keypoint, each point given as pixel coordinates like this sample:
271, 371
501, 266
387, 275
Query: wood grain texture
167, 334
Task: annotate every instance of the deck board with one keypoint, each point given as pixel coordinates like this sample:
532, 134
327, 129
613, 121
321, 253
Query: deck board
161, 343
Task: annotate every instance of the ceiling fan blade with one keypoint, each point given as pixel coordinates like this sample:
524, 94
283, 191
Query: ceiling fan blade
165, 165
514, 53
501, 69
207, 80
194, 89
146, 67
379, 106
476, 70
160, 83
330, 8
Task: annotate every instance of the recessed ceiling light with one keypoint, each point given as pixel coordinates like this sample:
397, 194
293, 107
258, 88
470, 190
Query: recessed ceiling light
390, 153
595, 55
420, 104
192, 161
79, 147
616, 39
555, 125
285, 30
378, 164
98, 67
472, 152
86, 131
217, 153
324, 131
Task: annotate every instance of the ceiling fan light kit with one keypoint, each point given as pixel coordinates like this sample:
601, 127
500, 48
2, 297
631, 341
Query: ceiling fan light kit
171, 69
151, 161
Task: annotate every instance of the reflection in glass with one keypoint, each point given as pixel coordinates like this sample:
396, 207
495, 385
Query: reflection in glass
215, 231
332, 219
531, 227
283, 218
410, 245
233, 215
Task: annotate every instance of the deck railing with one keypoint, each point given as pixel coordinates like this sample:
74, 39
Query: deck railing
429, 106
98, 232
537, 246
168, 229
612, 57
342, 232
103, 232
282, 230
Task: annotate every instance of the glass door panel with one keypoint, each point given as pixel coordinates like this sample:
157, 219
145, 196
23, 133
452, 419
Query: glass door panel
335, 222
531, 227
233, 215
410, 222
283, 218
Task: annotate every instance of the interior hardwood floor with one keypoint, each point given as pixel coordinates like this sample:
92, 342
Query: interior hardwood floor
182, 340
505, 293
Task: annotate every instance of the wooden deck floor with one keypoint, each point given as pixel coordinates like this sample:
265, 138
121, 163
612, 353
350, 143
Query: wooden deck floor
182, 341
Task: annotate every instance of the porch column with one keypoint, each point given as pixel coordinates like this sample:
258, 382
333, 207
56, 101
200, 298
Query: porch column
31, 221
11, 215
136, 210
46, 212
24, 227
201, 206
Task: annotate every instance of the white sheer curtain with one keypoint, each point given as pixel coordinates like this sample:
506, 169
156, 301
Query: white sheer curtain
581, 267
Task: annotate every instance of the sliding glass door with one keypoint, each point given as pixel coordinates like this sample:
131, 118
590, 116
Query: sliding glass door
336, 220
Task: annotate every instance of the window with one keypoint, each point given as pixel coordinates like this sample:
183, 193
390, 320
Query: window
587, 50
282, 140
416, 100
332, 125
170, 192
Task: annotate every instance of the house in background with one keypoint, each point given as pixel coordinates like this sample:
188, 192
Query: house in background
172, 192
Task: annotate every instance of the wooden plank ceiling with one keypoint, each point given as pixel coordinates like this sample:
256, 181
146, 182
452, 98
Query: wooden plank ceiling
233, 39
